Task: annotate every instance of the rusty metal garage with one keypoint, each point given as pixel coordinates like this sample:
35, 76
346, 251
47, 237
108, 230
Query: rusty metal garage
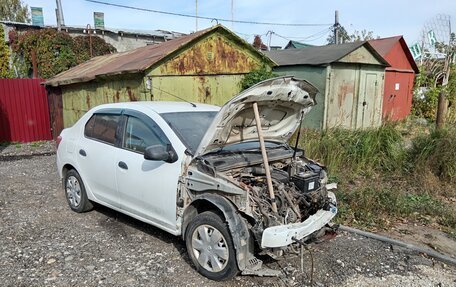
206, 66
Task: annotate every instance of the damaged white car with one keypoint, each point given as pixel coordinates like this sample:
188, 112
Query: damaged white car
225, 180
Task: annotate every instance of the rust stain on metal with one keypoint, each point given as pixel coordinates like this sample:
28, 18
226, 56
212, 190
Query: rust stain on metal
127, 62
143, 58
345, 89
131, 96
88, 102
214, 55
116, 97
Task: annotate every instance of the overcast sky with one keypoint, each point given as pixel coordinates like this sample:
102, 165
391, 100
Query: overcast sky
384, 17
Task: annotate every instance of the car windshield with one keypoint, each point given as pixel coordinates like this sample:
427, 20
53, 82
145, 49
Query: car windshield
190, 127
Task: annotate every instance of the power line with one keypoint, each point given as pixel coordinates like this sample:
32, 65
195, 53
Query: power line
309, 38
206, 18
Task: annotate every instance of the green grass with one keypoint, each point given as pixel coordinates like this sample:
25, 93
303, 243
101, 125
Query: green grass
360, 151
382, 181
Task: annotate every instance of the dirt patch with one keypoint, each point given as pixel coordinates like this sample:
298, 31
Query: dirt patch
424, 236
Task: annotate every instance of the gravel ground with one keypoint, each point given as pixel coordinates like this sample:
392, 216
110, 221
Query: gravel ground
44, 243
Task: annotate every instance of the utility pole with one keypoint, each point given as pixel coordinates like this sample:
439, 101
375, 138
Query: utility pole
232, 14
89, 32
336, 28
269, 39
196, 14
59, 15
442, 104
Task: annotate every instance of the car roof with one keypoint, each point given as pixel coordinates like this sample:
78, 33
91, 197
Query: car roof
161, 107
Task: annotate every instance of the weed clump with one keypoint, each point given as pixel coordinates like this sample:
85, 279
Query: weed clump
383, 177
437, 152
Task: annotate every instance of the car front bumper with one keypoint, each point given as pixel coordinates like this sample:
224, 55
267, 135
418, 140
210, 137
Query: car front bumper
281, 235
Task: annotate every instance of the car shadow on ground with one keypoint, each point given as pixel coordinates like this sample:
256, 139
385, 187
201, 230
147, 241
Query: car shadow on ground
116, 220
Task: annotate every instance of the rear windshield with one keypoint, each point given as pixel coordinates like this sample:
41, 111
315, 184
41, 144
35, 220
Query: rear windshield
190, 127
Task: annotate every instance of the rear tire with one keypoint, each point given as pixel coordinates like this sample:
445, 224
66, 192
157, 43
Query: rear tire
210, 247
75, 192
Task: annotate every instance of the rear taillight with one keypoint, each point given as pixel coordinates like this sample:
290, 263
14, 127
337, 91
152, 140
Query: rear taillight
57, 142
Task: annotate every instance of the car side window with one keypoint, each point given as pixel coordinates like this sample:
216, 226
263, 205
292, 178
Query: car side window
102, 127
138, 135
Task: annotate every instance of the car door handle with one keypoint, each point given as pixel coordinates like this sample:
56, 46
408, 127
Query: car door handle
123, 165
82, 152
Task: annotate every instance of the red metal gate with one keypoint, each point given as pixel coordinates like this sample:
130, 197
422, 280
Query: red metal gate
24, 111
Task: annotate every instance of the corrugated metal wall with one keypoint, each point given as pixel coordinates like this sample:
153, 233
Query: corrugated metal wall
351, 91
399, 78
209, 72
397, 99
80, 98
24, 111
317, 76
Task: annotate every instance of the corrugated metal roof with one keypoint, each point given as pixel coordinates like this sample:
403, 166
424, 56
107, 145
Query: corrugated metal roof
319, 55
134, 61
384, 46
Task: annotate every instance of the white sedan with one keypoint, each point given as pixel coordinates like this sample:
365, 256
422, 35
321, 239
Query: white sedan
198, 171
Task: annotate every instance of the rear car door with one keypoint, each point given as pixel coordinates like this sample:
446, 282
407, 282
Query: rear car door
97, 155
146, 188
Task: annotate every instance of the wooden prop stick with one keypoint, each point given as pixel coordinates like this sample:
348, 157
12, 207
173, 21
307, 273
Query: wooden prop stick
265, 157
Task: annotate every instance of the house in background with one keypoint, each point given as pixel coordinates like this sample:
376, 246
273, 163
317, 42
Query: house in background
399, 77
121, 39
206, 67
350, 80
296, 45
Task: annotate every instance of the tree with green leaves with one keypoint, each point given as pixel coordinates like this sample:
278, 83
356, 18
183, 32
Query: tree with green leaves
436, 83
345, 37
14, 10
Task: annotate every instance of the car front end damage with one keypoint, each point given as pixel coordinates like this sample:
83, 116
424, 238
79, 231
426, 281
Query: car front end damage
271, 195
305, 201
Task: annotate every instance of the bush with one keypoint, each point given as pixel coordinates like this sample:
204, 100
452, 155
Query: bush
256, 76
55, 51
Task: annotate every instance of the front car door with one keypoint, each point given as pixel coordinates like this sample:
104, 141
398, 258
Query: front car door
147, 188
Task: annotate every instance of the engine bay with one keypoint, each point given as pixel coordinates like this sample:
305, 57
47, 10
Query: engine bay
299, 187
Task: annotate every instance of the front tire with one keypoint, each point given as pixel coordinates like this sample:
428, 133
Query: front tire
75, 192
210, 247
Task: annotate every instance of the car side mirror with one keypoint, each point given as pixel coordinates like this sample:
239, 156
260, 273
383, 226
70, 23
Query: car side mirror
160, 153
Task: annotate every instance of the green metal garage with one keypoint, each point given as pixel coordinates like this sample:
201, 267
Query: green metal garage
349, 76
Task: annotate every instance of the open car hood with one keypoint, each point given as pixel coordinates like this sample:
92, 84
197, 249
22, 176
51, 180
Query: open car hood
280, 103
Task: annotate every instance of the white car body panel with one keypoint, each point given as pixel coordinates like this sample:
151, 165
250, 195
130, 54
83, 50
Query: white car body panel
150, 185
282, 102
282, 235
